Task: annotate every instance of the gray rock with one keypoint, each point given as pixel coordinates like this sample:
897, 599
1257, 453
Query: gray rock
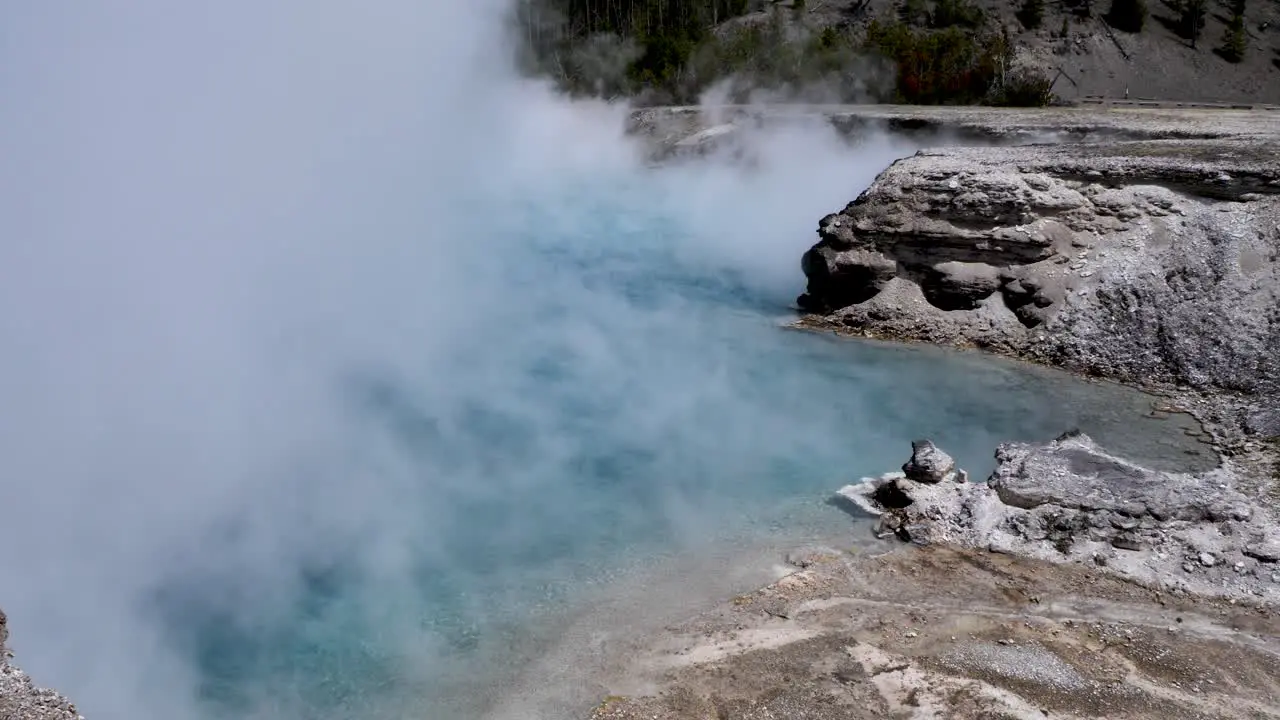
1264, 550
1184, 269
1073, 472
839, 278
22, 699
1126, 541
928, 464
1068, 500
959, 285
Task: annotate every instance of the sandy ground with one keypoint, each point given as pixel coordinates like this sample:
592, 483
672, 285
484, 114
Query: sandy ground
938, 632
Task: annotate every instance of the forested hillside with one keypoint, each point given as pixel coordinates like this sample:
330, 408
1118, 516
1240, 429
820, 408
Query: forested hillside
1011, 52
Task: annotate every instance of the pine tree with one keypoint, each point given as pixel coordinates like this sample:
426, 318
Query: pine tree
1193, 12
1233, 38
1127, 15
1031, 14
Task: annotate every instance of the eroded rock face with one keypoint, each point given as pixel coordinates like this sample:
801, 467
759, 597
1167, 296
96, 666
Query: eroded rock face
20, 698
1070, 500
1151, 262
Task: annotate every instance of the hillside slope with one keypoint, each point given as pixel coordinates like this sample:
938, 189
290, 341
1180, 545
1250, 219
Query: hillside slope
818, 50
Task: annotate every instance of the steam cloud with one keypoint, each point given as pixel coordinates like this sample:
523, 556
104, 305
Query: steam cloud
315, 316
265, 267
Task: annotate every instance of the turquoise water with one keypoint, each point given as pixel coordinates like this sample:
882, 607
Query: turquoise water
341, 366
623, 402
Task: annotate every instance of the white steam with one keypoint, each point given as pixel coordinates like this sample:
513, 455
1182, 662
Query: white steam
213, 218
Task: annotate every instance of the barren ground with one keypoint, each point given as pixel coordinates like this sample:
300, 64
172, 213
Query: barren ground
938, 632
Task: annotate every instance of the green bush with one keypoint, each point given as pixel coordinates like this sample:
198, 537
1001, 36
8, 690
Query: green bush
766, 56
1233, 39
1024, 88
937, 67
955, 13
663, 57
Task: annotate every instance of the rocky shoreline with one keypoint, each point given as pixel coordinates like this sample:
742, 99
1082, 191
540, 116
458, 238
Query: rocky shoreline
1071, 501
1155, 263
1072, 583
20, 697
1142, 247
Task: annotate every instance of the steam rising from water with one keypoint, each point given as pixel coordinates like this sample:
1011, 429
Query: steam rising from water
329, 345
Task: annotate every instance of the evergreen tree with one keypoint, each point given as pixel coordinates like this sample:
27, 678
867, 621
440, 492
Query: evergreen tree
1193, 12
1031, 14
1127, 15
956, 13
1233, 37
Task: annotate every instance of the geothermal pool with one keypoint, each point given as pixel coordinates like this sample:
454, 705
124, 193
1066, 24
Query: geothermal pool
331, 388
625, 404
605, 391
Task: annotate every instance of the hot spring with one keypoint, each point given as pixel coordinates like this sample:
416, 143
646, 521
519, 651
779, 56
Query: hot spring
340, 364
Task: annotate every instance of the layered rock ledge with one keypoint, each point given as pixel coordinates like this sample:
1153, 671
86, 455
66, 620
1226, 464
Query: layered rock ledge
22, 699
1155, 263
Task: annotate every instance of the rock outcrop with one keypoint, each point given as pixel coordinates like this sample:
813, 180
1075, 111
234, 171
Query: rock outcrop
20, 698
1151, 262
928, 464
1069, 500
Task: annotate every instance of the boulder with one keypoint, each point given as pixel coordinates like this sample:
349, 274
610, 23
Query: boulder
959, 285
839, 278
1265, 550
928, 464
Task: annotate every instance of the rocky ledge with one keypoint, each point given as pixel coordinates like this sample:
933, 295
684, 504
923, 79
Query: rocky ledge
1072, 584
1152, 262
1071, 501
20, 698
